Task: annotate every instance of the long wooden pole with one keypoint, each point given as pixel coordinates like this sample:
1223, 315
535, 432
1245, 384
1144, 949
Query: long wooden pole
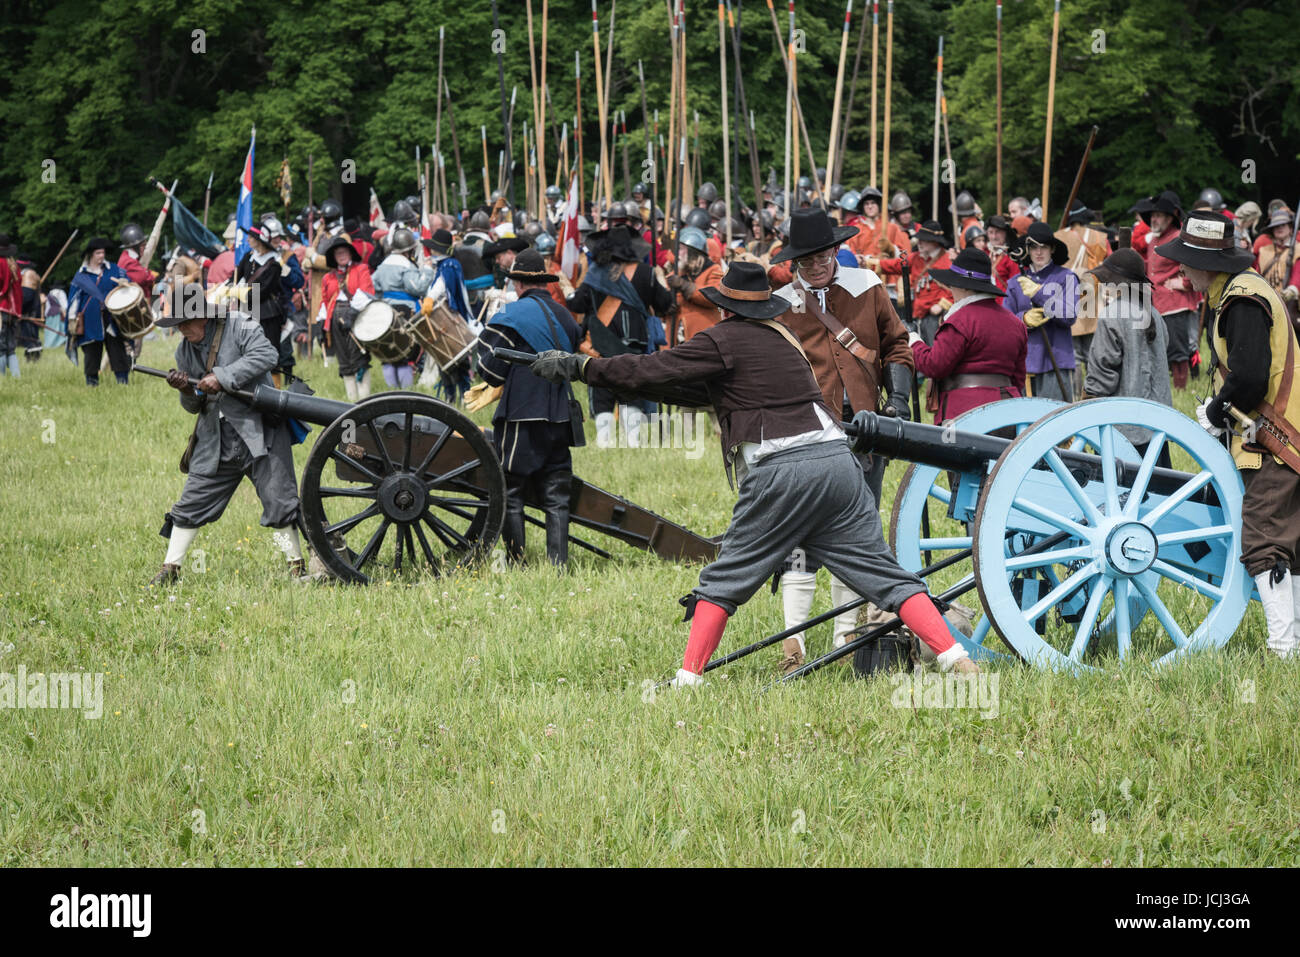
670, 162
577, 130
543, 101
462, 183
999, 84
487, 183
744, 109
687, 185
797, 109
1078, 179
726, 133
952, 172
839, 91
508, 184
836, 175
605, 179
437, 127
55, 261
938, 95
875, 54
649, 142
889, 80
609, 66
785, 45
539, 211
1051, 105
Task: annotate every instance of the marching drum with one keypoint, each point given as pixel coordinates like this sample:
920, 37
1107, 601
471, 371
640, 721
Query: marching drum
384, 332
447, 337
129, 307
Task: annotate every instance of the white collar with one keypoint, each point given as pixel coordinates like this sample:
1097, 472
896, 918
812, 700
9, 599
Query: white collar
850, 278
133, 254
978, 297
397, 259
260, 258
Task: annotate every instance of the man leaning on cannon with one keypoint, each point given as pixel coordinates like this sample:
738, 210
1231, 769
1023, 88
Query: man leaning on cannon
230, 440
1256, 350
800, 484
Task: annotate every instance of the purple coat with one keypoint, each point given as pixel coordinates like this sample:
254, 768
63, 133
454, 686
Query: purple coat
1059, 298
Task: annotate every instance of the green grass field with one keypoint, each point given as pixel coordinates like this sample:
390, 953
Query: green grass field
502, 717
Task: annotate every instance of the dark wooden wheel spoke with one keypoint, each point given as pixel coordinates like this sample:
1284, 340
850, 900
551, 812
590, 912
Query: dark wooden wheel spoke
360, 467
379, 444
398, 541
424, 546
451, 504
368, 492
433, 452
454, 474
408, 433
376, 542
442, 530
348, 524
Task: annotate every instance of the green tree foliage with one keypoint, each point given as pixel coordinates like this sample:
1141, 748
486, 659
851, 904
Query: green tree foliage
116, 90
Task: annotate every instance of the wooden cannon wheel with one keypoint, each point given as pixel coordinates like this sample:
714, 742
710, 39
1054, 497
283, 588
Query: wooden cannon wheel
410, 472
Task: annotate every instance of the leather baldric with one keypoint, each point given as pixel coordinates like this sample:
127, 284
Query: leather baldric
842, 335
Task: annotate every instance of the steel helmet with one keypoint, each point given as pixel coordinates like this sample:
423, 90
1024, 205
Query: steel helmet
693, 238
545, 243
1211, 196
821, 175
331, 210
553, 193
402, 241
616, 211
404, 212
717, 209
132, 235
480, 221
532, 230
965, 203
804, 183
274, 227
849, 201
870, 192
836, 192
706, 193
698, 218
900, 203
973, 232
640, 188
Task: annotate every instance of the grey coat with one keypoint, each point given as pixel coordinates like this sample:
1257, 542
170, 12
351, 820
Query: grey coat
244, 361
1123, 363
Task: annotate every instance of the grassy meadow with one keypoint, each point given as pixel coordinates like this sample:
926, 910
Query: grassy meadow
508, 717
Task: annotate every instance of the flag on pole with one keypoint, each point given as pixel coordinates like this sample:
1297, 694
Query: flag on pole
191, 233
377, 220
570, 242
284, 183
244, 211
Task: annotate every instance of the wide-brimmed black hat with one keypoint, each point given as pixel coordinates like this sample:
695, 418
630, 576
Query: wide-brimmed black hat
811, 231
96, 242
931, 232
999, 222
745, 291
337, 243
1079, 213
1166, 202
1143, 205
1208, 240
439, 243
972, 269
617, 244
530, 267
1040, 234
7, 246
515, 244
1122, 266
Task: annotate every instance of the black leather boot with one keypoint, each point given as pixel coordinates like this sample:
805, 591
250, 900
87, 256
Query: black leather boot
556, 487
512, 532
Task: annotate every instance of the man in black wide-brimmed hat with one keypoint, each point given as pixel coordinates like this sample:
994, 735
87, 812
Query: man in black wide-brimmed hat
800, 485
858, 348
1256, 379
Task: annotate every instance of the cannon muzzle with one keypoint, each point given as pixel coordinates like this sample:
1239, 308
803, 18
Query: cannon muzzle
296, 405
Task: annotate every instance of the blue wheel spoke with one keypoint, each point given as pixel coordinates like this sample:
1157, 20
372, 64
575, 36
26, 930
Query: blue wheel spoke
1139, 487
1089, 620
1123, 623
1195, 535
1061, 592
1191, 581
1034, 510
1162, 613
943, 544
940, 494
1058, 557
981, 633
1185, 491
1075, 491
1108, 469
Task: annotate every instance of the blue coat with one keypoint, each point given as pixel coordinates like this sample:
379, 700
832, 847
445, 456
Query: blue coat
1059, 299
87, 294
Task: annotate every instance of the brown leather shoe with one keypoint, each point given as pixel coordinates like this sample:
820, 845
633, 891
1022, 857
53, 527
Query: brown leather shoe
297, 568
793, 659
167, 575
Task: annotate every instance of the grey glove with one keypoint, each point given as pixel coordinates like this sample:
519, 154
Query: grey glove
898, 388
559, 367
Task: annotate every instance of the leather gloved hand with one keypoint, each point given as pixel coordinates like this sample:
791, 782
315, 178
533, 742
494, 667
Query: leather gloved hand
674, 281
1028, 286
481, 395
426, 306
1035, 317
179, 380
559, 367
898, 388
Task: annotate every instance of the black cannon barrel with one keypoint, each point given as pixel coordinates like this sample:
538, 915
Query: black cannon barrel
960, 451
295, 405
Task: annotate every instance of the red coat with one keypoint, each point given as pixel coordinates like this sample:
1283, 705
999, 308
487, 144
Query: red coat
358, 278
980, 337
11, 287
1161, 271
136, 272
926, 291
1004, 270
1139, 237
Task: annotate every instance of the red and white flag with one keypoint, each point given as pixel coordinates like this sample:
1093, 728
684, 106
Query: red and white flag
570, 241
376, 213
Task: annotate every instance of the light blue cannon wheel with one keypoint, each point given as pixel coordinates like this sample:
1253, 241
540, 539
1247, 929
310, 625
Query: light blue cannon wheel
950, 535
1126, 549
